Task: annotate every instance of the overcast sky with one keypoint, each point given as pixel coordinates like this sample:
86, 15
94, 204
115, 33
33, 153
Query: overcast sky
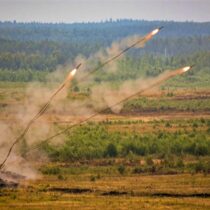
96, 10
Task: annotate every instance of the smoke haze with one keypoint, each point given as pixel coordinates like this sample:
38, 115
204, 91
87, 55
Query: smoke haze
101, 96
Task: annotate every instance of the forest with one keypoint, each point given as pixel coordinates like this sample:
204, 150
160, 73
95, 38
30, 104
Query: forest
29, 51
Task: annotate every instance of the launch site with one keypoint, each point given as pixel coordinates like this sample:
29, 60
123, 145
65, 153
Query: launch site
104, 104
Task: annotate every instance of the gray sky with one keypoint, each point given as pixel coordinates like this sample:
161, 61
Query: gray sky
95, 10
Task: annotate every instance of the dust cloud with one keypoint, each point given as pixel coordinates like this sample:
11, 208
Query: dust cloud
37, 94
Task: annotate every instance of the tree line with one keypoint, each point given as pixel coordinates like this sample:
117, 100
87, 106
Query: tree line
28, 51
129, 67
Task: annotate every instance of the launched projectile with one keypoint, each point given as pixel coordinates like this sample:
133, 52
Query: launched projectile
152, 33
71, 74
187, 68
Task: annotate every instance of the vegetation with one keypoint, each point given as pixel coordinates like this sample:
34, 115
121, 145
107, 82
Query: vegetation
94, 141
142, 104
111, 192
121, 161
30, 51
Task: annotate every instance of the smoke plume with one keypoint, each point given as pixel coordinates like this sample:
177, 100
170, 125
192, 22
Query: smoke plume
36, 94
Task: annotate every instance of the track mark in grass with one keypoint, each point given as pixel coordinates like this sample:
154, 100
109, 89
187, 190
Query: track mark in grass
115, 193
71, 190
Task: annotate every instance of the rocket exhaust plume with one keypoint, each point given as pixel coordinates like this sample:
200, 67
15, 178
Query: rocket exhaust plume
155, 82
182, 70
41, 112
140, 41
187, 68
72, 73
152, 33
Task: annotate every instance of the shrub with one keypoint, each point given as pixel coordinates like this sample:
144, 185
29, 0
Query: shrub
202, 120
51, 170
199, 167
92, 178
195, 125
167, 125
61, 177
111, 150
121, 169
170, 94
201, 150
138, 170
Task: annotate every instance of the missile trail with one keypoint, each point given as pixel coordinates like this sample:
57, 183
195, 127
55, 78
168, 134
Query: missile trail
69, 77
142, 40
41, 111
44, 108
160, 79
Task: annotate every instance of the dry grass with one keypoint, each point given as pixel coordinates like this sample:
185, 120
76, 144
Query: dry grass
90, 202
142, 192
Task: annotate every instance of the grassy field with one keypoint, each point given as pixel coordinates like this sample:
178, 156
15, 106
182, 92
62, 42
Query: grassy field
171, 179
183, 191
153, 154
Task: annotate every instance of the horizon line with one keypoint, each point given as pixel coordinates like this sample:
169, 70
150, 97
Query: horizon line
109, 20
